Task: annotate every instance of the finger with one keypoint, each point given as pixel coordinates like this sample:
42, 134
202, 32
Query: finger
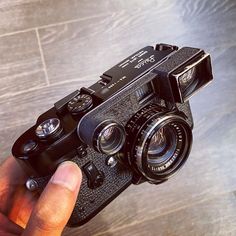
19, 208
8, 226
56, 203
11, 178
11, 173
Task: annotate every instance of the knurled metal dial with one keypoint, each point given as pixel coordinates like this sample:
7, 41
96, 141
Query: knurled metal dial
80, 103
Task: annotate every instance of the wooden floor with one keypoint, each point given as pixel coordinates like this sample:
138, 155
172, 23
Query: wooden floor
50, 47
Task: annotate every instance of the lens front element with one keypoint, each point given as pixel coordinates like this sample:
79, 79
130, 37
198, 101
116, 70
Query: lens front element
171, 149
162, 146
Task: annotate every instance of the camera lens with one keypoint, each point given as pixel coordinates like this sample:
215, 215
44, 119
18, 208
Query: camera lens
109, 137
158, 143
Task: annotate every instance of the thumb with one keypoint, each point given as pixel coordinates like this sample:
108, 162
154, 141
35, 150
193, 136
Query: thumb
56, 203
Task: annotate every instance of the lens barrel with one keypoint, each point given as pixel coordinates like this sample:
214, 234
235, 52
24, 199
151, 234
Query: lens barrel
158, 142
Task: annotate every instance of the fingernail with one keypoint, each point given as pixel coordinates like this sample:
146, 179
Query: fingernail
67, 175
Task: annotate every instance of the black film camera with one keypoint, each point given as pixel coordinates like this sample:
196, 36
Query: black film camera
133, 125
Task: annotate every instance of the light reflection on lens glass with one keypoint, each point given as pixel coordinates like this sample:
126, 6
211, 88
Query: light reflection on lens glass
157, 142
111, 139
187, 79
162, 145
107, 134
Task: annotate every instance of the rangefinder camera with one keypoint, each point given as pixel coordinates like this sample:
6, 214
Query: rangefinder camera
133, 125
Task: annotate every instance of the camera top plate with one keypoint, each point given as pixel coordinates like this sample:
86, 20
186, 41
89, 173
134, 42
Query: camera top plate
129, 70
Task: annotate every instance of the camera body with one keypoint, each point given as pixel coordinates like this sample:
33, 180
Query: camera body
131, 126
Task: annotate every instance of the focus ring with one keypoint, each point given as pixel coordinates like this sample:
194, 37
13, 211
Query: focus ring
136, 123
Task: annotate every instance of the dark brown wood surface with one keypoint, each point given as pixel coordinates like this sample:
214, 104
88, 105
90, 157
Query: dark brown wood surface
48, 48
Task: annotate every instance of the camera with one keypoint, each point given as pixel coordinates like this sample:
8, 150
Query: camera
133, 125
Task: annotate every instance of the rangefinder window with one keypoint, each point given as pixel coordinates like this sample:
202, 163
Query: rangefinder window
144, 92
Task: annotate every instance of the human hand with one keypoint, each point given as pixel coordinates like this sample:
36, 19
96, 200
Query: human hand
23, 213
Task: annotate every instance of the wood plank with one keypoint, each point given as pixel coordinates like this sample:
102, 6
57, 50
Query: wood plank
18, 15
21, 14
29, 105
211, 217
91, 46
207, 24
8, 137
20, 63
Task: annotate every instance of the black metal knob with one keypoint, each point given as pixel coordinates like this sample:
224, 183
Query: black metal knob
48, 128
163, 47
80, 103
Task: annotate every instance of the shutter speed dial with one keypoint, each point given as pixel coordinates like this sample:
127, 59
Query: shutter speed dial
80, 103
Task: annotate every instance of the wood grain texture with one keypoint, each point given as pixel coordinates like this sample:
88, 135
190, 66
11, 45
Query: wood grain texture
79, 43
89, 47
8, 137
20, 63
31, 104
210, 217
18, 15
200, 200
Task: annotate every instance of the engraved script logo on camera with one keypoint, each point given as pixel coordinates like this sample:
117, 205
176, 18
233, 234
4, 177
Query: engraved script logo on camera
150, 59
